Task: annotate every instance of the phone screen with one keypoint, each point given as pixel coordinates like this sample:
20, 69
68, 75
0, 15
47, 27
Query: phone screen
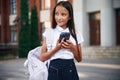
65, 35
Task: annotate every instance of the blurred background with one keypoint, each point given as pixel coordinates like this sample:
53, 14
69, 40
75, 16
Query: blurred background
97, 20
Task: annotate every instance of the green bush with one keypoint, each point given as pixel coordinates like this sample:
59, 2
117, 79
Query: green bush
34, 37
24, 35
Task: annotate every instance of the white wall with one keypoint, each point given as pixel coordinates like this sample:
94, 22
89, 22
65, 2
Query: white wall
92, 5
116, 3
81, 20
83, 7
108, 35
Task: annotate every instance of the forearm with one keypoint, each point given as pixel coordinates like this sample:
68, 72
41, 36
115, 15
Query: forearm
77, 54
47, 55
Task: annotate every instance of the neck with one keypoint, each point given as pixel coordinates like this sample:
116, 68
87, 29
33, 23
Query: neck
63, 27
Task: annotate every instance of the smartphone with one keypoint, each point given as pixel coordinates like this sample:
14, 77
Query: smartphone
65, 35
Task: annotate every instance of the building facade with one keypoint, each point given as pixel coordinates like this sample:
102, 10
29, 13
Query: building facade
98, 20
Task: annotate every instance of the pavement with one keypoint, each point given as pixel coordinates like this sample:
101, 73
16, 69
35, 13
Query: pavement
88, 69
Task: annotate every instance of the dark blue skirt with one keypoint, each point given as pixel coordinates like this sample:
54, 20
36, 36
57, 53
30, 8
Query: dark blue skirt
62, 69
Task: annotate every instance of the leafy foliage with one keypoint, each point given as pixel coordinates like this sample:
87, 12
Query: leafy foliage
34, 37
24, 35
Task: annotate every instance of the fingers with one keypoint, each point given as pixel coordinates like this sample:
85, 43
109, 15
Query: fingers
64, 44
62, 40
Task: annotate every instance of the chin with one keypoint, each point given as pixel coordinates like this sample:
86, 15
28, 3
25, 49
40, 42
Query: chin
60, 25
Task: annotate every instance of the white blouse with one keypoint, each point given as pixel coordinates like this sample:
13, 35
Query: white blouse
52, 35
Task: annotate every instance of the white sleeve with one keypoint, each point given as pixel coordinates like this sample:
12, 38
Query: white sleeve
47, 32
48, 35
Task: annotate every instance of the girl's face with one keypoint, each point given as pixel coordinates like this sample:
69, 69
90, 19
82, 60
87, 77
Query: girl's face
61, 16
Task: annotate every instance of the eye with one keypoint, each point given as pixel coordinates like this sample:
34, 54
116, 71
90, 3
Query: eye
56, 13
63, 14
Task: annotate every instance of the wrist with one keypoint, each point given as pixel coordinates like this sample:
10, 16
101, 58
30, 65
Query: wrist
73, 48
55, 49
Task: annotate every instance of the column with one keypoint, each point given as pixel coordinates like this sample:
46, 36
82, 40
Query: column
52, 5
81, 19
5, 27
38, 12
108, 36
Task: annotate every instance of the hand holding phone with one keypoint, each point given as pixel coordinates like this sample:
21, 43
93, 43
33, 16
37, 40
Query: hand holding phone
65, 35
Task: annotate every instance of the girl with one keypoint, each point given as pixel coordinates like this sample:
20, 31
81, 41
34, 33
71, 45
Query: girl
62, 53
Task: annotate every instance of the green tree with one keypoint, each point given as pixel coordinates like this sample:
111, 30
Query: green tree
24, 35
34, 37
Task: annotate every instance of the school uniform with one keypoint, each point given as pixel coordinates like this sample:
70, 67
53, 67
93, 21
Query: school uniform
62, 66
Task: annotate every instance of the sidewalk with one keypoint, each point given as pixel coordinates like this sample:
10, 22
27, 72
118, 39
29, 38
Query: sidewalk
88, 69
99, 69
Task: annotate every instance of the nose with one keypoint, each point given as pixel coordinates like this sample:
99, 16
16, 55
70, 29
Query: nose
59, 17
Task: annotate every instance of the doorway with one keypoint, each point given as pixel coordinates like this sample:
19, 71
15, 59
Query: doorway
94, 21
118, 27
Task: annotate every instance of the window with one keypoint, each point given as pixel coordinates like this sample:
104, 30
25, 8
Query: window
13, 6
62, 0
45, 4
13, 34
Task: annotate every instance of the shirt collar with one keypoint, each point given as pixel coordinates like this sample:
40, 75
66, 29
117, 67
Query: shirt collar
61, 29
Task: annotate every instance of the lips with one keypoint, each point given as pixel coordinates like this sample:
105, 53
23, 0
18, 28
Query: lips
59, 21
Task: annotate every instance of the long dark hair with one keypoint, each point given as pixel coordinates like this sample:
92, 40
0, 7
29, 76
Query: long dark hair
70, 24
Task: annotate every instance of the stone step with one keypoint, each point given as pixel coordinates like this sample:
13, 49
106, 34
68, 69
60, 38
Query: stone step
101, 52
